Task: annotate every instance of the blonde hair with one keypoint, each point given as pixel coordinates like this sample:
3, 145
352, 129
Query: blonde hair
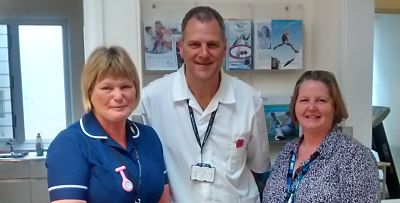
113, 61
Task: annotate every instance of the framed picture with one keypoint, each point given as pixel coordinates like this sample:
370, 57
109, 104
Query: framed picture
239, 44
262, 44
175, 46
287, 44
281, 127
159, 47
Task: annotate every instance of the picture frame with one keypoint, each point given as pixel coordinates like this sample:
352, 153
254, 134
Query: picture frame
287, 44
159, 45
281, 127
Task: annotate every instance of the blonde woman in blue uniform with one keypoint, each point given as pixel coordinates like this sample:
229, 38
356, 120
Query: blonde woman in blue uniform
104, 157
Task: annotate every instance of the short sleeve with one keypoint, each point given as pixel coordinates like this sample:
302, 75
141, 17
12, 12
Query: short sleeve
258, 149
67, 168
361, 181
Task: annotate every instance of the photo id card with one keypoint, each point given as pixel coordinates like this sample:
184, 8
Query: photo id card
202, 172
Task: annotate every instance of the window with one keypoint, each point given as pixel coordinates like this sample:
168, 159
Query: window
42, 79
34, 80
41, 58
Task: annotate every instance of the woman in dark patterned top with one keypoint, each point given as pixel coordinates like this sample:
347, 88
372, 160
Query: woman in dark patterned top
323, 165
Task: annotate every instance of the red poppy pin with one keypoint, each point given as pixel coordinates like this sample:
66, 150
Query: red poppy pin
239, 143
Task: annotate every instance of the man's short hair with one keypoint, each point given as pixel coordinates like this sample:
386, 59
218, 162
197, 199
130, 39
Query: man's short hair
203, 14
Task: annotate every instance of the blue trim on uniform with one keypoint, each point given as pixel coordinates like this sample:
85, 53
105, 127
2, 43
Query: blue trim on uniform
81, 164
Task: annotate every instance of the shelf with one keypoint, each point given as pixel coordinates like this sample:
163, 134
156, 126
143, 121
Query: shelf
157, 16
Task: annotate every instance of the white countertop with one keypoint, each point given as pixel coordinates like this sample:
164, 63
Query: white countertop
391, 201
30, 157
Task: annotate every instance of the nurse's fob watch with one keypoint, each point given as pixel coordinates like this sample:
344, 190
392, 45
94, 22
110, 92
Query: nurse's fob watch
127, 185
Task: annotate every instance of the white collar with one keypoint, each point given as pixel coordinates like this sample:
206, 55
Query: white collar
136, 132
181, 91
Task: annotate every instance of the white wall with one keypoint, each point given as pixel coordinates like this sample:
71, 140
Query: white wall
386, 76
356, 68
332, 42
113, 22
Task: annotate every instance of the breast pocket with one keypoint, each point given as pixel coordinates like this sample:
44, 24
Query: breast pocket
238, 150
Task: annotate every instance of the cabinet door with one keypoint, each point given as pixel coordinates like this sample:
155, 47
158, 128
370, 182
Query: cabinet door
39, 192
15, 191
37, 169
14, 170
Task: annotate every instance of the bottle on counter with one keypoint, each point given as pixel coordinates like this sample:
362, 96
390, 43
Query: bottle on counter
39, 145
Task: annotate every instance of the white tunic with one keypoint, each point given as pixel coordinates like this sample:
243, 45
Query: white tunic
240, 117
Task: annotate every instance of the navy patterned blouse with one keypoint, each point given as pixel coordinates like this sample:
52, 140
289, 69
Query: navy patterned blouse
344, 171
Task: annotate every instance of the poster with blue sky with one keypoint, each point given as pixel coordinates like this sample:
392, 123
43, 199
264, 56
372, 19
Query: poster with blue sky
287, 44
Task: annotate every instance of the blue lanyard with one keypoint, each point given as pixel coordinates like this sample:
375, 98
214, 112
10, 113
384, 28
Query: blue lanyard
300, 172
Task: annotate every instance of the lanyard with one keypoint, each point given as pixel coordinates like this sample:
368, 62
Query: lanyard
300, 172
195, 130
136, 186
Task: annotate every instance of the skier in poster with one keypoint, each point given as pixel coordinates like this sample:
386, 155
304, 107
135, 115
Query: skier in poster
285, 41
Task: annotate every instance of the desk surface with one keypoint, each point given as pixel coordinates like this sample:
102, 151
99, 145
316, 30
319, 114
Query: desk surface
390, 201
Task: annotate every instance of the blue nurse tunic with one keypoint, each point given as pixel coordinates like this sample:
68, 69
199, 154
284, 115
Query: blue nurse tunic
82, 159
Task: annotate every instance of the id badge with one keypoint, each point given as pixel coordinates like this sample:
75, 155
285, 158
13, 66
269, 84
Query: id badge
202, 172
291, 198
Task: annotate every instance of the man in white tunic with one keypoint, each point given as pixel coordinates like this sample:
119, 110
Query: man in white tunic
211, 125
